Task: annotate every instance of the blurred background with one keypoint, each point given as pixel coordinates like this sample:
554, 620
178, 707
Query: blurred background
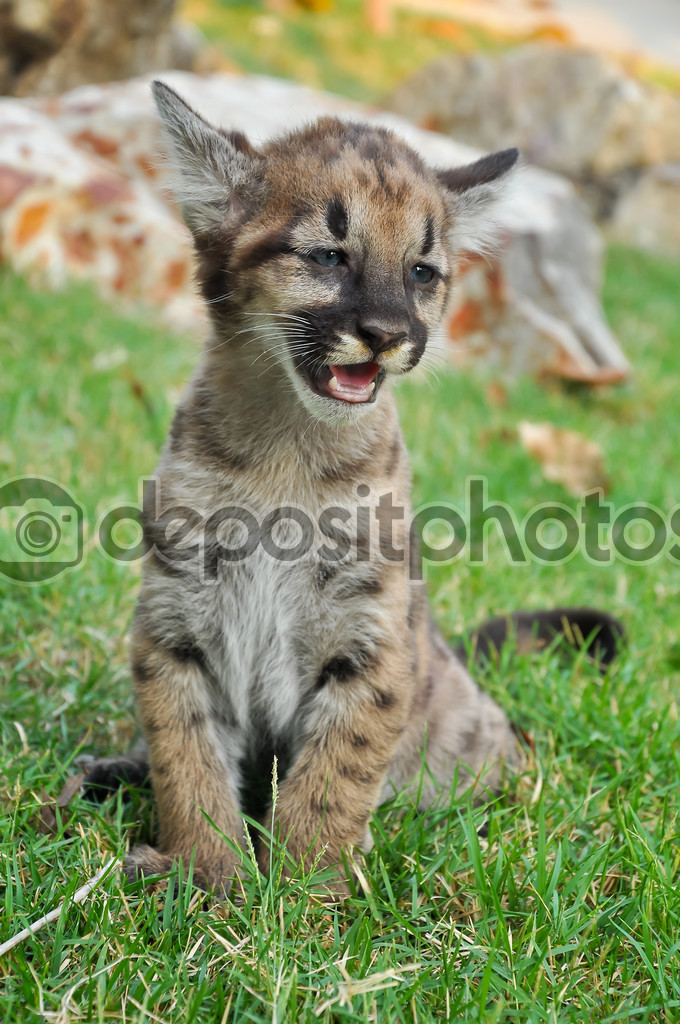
590, 92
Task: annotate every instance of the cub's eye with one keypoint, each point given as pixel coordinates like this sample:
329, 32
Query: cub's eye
422, 274
327, 257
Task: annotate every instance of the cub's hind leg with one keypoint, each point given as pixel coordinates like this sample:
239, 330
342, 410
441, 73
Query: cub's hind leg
455, 729
190, 771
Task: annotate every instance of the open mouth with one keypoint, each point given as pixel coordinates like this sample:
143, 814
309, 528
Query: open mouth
356, 382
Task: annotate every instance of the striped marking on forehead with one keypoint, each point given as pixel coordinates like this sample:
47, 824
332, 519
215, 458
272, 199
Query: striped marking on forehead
337, 218
428, 240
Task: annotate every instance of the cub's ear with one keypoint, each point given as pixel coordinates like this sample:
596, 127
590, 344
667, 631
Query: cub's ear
471, 193
214, 171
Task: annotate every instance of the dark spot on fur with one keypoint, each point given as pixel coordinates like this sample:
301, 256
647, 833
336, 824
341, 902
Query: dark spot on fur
319, 805
185, 650
402, 193
358, 822
415, 567
223, 713
325, 574
419, 339
340, 669
345, 667
336, 218
428, 240
177, 430
358, 739
274, 243
416, 604
208, 441
141, 671
355, 774
395, 452
344, 471
383, 699
469, 741
166, 533
368, 586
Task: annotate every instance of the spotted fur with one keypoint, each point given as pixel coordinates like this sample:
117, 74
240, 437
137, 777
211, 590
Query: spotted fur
329, 661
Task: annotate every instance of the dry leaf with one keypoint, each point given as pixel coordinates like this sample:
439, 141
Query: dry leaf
70, 788
566, 457
47, 819
48, 823
497, 394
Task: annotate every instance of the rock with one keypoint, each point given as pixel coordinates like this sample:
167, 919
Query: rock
66, 214
47, 46
569, 111
83, 194
648, 215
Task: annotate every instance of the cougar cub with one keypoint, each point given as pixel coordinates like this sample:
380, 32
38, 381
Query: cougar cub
276, 617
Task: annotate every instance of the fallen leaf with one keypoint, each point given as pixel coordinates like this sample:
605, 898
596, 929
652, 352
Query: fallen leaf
48, 822
497, 394
47, 819
565, 456
70, 788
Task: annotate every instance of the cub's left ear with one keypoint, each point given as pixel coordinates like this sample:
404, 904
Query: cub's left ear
472, 192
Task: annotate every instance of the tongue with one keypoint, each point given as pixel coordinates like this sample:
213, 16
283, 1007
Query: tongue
353, 383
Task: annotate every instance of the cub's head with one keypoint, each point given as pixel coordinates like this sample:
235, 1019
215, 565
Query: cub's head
330, 251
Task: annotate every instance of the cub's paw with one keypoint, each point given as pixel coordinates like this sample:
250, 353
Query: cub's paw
143, 861
106, 775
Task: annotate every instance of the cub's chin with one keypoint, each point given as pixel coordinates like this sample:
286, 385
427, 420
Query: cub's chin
332, 410
339, 393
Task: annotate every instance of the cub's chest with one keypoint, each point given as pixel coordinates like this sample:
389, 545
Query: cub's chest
274, 624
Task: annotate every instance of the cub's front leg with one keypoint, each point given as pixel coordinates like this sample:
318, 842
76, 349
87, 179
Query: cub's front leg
358, 716
189, 771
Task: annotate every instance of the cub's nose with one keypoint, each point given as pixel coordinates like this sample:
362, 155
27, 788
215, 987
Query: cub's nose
379, 339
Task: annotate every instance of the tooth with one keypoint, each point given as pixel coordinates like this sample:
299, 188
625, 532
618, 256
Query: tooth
371, 387
333, 384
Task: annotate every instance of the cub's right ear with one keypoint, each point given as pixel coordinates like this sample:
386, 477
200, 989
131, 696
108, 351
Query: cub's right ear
214, 171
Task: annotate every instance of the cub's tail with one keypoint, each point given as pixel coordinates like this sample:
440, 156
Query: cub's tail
600, 634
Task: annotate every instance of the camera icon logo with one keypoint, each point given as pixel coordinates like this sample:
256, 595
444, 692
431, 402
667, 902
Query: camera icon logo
41, 530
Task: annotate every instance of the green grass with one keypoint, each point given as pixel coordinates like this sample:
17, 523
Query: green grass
566, 911
327, 44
